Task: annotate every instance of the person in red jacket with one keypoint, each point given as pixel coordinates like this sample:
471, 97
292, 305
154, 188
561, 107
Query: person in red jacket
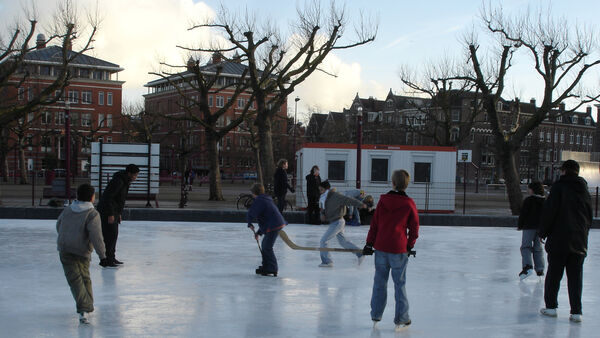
393, 233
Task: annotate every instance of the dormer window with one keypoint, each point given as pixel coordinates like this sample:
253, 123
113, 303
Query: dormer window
588, 121
499, 106
574, 119
390, 104
559, 118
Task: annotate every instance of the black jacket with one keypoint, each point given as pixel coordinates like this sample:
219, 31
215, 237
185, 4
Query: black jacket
567, 216
529, 219
114, 195
312, 188
280, 182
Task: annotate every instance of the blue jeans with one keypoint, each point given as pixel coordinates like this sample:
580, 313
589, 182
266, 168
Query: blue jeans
531, 245
269, 262
336, 229
383, 263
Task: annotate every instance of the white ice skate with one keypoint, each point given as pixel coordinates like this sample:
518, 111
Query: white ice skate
84, 318
575, 318
402, 326
548, 312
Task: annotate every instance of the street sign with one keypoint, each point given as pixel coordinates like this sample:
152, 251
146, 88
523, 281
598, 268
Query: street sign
464, 156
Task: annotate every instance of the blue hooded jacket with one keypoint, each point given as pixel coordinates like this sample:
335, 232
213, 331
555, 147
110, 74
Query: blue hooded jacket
265, 211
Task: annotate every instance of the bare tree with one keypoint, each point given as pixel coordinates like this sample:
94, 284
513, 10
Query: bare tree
14, 67
277, 65
562, 53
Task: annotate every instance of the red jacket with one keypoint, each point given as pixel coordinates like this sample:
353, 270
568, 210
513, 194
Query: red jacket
395, 224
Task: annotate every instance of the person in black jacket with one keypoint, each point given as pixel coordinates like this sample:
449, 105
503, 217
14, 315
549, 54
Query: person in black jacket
312, 194
529, 220
280, 184
111, 206
566, 220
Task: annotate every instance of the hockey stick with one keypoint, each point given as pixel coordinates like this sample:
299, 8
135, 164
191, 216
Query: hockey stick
254, 232
294, 246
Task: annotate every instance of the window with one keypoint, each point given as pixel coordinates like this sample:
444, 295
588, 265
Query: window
379, 169
58, 94
454, 134
559, 118
578, 139
86, 97
46, 117
590, 140
574, 119
84, 73
21, 94
45, 70
422, 172
59, 118
548, 155
46, 144
588, 121
101, 98
336, 170
240, 103
555, 136
456, 115
29, 93
97, 75
541, 136
562, 137
548, 137
109, 139
571, 138
30, 117
109, 120
73, 96
584, 140
100, 139
100, 120
109, 99
210, 99
220, 101
86, 120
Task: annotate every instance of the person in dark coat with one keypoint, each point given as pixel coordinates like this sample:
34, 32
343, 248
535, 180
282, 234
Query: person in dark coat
312, 194
111, 206
529, 221
280, 184
566, 221
270, 222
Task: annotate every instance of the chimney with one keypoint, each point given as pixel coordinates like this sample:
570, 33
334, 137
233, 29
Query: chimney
561, 107
532, 102
216, 58
40, 42
190, 64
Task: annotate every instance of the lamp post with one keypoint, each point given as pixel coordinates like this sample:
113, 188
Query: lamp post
358, 145
68, 152
294, 130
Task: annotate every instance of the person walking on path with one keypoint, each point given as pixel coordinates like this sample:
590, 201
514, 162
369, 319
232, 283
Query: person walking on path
393, 233
281, 184
79, 231
566, 221
529, 220
111, 207
333, 211
270, 222
312, 194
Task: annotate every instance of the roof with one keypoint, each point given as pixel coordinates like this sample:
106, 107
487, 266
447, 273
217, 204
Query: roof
229, 68
53, 54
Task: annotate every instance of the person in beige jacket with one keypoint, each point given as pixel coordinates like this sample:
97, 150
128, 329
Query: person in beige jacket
79, 231
333, 208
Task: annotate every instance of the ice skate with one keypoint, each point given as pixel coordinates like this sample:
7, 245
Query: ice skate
576, 318
540, 273
402, 326
84, 318
117, 262
548, 312
262, 272
375, 321
326, 265
527, 271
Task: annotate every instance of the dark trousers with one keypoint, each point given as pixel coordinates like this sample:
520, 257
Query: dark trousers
280, 202
557, 263
269, 262
312, 211
77, 272
110, 232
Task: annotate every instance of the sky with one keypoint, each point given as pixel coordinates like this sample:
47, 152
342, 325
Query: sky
139, 34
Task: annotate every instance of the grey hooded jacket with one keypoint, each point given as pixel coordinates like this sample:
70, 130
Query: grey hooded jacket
80, 231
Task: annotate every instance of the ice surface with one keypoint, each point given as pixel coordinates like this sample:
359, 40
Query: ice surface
197, 280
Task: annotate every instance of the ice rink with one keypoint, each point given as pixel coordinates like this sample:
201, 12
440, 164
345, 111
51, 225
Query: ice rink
197, 280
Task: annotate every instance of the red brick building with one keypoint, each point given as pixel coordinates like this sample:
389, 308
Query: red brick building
236, 156
93, 98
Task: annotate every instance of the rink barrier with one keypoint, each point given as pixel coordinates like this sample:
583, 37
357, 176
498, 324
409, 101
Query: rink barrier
239, 216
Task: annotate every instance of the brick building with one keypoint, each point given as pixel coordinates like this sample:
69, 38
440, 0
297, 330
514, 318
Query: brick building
236, 155
92, 96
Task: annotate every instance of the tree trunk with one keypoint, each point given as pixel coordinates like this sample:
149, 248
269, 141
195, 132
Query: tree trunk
23, 169
265, 146
511, 180
4, 168
259, 174
215, 192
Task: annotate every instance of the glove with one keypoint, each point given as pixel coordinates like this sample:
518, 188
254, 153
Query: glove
104, 262
368, 250
250, 226
410, 251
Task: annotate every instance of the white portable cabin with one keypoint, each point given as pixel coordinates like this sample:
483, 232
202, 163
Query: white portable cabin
432, 171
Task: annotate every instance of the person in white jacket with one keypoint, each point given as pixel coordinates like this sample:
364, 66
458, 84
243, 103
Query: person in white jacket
79, 230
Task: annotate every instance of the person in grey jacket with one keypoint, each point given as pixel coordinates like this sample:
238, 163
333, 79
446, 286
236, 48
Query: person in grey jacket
79, 231
333, 208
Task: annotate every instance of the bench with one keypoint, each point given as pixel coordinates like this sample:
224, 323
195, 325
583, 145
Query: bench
57, 190
142, 196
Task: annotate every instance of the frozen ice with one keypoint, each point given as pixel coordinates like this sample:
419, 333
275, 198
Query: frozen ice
197, 280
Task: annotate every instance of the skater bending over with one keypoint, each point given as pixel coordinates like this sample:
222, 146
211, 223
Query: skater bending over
566, 221
393, 233
333, 211
529, 220
270, 222
79, 230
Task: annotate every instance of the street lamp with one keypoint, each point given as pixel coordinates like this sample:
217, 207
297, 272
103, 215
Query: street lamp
295, 124
68, 152
358, 145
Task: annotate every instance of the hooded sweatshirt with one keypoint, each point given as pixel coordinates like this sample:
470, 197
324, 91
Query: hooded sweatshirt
113, 197
79, 230
567, 216
395, 224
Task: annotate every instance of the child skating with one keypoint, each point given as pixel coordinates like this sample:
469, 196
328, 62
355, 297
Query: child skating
529, 221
